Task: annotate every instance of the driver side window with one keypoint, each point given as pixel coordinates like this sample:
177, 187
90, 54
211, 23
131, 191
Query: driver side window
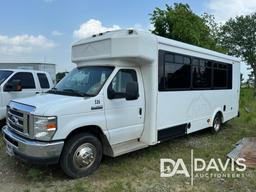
27, 80
118, 84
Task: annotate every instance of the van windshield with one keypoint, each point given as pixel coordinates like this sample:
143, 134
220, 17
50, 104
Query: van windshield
4, 75
83, 81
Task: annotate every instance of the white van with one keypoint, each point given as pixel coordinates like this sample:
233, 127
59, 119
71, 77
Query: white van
131, 89
19, 83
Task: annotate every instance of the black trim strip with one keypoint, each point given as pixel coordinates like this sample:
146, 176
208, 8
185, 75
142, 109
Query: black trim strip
36, 160
172, 132
97, 108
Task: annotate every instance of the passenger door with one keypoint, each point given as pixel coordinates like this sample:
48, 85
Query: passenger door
28, 87
124, 118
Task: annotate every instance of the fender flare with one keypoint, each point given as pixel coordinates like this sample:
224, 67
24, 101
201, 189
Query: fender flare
96, 131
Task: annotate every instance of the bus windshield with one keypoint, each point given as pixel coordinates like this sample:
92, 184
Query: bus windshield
83, 81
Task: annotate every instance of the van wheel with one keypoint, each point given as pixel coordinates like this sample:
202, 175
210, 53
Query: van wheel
216, 124
81, 155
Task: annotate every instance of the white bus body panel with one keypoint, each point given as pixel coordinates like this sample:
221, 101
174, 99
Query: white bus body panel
162, 109
197, 107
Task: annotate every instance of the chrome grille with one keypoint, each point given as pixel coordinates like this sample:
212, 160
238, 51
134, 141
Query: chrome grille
18, 118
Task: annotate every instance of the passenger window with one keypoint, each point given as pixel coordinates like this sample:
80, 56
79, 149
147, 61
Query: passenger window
220, 78
230, 76
201, 74
44, 83
177, 72
27, 80
181, 72
118, 84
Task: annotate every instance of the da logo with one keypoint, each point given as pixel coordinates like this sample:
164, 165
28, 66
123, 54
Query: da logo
169, 168
200, 168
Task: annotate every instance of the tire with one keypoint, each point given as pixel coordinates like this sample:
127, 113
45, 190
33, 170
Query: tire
216, 127
81, 155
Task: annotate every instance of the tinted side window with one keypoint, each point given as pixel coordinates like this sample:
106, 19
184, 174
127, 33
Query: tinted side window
220, 77
44, 83
118, 84
27, 80
183, 72
230, 77
177, 71
201, 74
161, 79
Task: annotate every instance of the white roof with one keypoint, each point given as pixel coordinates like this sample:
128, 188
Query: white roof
194, 48
131, 44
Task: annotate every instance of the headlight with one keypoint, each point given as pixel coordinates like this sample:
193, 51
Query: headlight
44, 127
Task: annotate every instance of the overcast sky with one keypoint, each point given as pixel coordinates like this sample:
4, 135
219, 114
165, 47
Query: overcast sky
43, 30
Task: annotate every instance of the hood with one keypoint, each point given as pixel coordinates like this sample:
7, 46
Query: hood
54, 105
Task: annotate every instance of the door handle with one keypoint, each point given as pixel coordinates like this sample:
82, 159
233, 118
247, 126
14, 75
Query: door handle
140, 111
37, 93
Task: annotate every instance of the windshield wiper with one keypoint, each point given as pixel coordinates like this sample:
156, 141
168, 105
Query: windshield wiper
54, 90
77, 92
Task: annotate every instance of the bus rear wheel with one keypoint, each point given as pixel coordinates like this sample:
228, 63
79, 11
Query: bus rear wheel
216, 126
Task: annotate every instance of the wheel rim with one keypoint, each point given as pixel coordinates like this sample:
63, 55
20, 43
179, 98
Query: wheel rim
84, 156
216, 125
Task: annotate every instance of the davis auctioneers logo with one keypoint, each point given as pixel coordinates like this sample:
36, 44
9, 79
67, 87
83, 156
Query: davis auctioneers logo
201, 169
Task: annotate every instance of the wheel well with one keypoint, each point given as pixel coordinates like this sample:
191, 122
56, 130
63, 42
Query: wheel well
2, 122
97, 132
220, 114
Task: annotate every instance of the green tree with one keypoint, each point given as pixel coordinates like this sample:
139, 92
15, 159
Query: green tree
178, 22
238, 36
250, 80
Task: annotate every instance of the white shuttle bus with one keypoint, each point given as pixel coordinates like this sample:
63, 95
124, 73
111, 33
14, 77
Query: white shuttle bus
130, 89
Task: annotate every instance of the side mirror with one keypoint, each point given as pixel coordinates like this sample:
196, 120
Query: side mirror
111, 93
132, 91
14, 85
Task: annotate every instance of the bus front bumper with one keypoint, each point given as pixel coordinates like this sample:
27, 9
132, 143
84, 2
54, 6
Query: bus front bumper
35, 152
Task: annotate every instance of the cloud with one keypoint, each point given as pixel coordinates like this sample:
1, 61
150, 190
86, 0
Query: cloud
56, 33
91, 27
24, 43
223, 9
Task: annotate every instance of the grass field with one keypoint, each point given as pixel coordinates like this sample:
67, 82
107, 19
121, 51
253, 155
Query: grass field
139, 171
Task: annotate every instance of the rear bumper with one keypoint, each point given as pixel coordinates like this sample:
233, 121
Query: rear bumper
35, 152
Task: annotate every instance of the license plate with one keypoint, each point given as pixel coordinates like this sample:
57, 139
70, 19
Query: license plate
9, 149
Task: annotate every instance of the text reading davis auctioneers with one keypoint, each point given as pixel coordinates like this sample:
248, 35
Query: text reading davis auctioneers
200, 168
130, 90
